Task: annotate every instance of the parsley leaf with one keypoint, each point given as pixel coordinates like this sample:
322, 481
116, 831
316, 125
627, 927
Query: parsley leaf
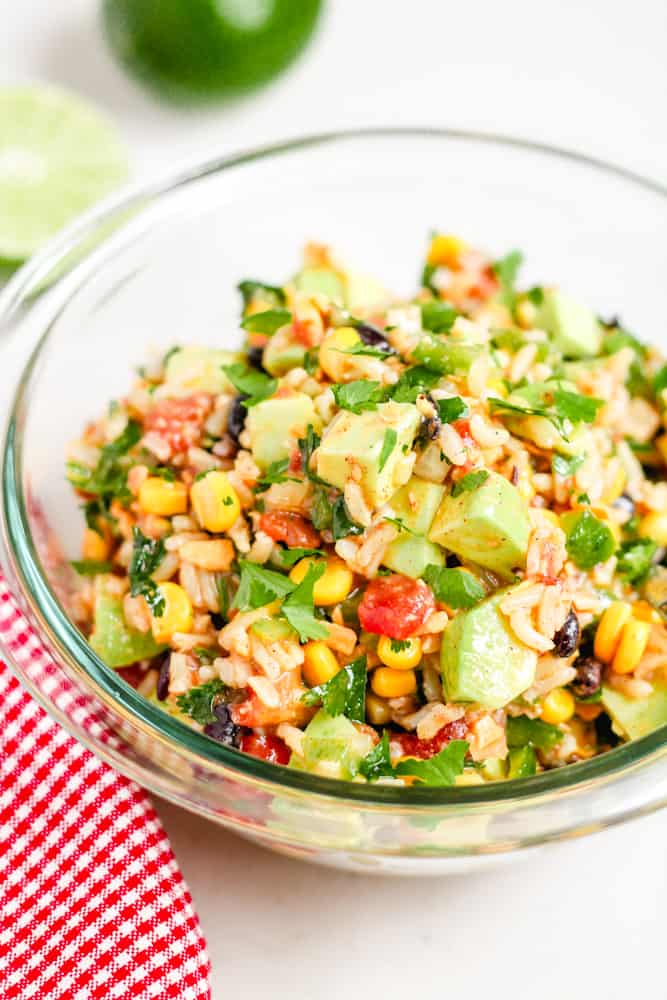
575, 407
344, 694
457, 588
288, 557
147, 554
199, 701
634, 559
366, 350
388, 444
399, 523
535, 295
470, 482
589, 540
259, 586
252, 290
307, 446
523, 731
426, 278
506, 270
440, 770
275, 474
125, 441
298, 608
438, 316
90, 567
412, 383
250, 382
398, 645
565, 467
108, 480
223, 598
377, 763
266, 322
311, 361
321, 512
359, 395
342, 524
451, 409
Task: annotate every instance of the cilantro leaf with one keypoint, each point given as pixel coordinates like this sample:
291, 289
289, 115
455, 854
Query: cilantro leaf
199, 701
307, 446
288, 557
266, 322
565, 467
575, 407
321, 513
298, 607
311, 361
412, 383
470, 482
523, 731
252, 290
366, 350
635, 558
90, 567
506, 270
426, 279
108, 480
147, 554
388, 444
440, 770
342, 524
451, 409
250, 382
344, 694
457, 588
535, 295
125, 440
660, 380
359, 395
259, 586
589, 541
399, 523
438, 316
276, 474
223, 598
377, 763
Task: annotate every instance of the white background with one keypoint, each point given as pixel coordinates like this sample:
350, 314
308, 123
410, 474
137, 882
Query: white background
576, 920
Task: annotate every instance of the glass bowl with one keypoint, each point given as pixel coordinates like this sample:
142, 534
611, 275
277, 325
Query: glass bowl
158, 267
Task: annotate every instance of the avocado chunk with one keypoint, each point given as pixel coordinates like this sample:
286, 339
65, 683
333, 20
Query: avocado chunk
416, 504
363, 440
332, 745
113, 640
480, 658
321, 281
197, 369
488, 525
274, 425
282, 353
575, 330
446, 356
540, 430
271, 630
636, 717
411, 554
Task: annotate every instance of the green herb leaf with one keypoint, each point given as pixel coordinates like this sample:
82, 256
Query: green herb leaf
321, 512
289, 557
438, 316
506, 270
399, 523
206, 654
377, 763
412, 383
200, 701
267, 322
575, 407
108, 480
457, 588
616, 339
344, 694
276, 474
451, 409
535, 295
90, 567
565, 467
398, 645
306, 447
660, 380
388, 444
253, 290
359, 395
125, 441
589, 541
635, 558
259, 586
522, 731
299, 610
342, 524
224, 599
147, 554
252, 383
522, 763
365, 350
426, 279
470, 482
440, 770
311, 361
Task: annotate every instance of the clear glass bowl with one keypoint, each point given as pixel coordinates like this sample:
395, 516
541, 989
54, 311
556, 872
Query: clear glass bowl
159, 267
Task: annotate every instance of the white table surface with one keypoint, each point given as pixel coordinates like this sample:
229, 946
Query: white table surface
580, 919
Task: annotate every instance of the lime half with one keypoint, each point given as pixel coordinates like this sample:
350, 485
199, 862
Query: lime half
58, 155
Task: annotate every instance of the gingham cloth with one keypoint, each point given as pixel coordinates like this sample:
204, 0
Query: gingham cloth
92, 902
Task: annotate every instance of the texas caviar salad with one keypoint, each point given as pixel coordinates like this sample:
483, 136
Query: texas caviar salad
397, 541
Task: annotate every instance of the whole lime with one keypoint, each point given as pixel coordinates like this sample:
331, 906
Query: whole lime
206, 49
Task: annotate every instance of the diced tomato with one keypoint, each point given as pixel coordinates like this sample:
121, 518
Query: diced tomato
462, 428
412, 746
295, 461
179, 421
286, 526
133, 675
395, 606
270, 748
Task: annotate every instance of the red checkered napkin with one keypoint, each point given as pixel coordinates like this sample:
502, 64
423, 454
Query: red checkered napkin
92, 902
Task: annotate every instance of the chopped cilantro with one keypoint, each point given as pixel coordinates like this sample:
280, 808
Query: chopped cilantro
451, 409
288, 557
470, 482
276, 474
565, 467
398, 645
250, 382
307, 446
259, 586
298, 607
344, 694
616, 339
321, 512
253, 290
589, 541
266, 322
440, 770
426, 278
388, 444
635, 558
203, 474
506, 270
162, 472
399, 523
200, 701
206, 654
90, 567
224, 599
438, 316
367, 350
412, 383
522, 762
147, 554
660, 380
108, 480
377, 763
535, 295
342, 524
457, 588
311, 361
575, 407
523, 731
359, 395
125, 440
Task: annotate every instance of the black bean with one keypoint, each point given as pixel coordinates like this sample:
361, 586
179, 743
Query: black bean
452, 561
604, 732
566, 638
589, 677
255, 355
625, 503
224, 730
162, 689
372, 336
236, 418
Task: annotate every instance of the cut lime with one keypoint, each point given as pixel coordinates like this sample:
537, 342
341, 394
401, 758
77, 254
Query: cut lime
206, 49
58, 156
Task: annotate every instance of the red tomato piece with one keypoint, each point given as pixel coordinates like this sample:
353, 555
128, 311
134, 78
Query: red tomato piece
290, 528
270, 748
179, 421
395, 606
412, 746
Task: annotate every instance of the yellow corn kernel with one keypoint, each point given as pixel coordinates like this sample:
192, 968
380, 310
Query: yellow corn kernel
661, 445
95, 547
319, 663
332, 587
588, 710
558, 706
446, 251
177, 615
388, 683
646, 613
634, 639
525, 486
215, 501
610, 626
654, 525
615, 488
401, 655
215, 555
551, 517
159, 496
332, 361
377, 710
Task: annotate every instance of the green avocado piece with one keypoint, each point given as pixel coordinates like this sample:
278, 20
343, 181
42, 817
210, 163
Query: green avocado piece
636, 717
575, 330
274, 425
416, 504
446, 356
273, 630
540, 430
113, 640
281, 356
480, 658
198, 369
321, 281
333, 740
488, 525
411, 554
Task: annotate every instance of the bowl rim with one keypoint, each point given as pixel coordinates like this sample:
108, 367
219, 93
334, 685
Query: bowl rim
72, 646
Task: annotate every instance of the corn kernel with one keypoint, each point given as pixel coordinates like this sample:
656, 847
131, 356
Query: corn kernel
558, 706
615, 488
646, 613
634, 639
610, 626
551, 517
215, 555
319, 664
654, 526
332, 587
588, 710
159, 496
377, 710
446, 251
177, 615
95, 547
332, 360
401, 655
215, 501
388, 683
